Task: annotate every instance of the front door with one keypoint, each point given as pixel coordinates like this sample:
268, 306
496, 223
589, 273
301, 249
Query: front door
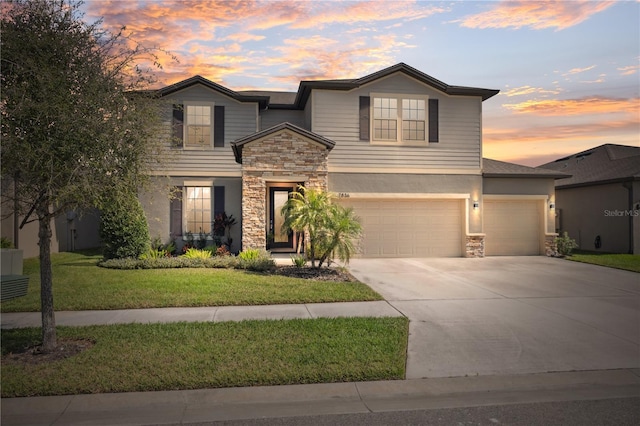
278, 239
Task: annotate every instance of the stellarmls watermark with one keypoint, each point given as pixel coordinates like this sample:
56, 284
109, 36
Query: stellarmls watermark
621, 213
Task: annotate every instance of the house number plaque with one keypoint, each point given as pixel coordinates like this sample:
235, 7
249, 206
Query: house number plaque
343, 195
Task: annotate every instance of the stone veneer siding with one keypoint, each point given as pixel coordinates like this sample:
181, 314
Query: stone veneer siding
283, 156
474, 246
550, 247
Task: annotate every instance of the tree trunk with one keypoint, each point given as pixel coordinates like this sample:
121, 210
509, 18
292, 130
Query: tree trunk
49, 341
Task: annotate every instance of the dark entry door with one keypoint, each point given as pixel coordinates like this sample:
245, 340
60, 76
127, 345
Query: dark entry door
277, 199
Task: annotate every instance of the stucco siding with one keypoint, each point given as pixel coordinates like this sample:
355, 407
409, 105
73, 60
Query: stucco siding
602, 210
411, 185
155, 200
336, 116
520, 186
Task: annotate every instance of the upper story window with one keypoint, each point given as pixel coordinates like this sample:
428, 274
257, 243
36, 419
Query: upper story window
399, 118
198, 125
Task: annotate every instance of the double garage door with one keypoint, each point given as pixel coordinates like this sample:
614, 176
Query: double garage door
435, 228
410, 228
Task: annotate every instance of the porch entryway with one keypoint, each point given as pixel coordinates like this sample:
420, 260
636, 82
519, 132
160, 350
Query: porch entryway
277, 239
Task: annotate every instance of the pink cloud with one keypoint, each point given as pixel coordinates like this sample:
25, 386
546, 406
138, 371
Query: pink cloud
535, 14
582, 106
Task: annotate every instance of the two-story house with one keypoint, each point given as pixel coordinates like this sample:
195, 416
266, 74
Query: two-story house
400, 147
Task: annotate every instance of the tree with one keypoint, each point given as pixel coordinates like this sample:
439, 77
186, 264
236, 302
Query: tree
75, 121
329, 227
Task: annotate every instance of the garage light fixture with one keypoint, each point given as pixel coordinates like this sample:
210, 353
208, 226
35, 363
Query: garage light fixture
476, 205
552, 206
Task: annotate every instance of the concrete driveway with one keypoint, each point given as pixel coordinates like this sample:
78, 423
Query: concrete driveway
510, 315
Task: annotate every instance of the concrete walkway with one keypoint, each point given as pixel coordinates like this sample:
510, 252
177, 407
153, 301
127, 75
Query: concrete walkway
206, 314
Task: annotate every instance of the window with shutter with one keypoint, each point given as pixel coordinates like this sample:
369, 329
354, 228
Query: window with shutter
198, 125
399, 118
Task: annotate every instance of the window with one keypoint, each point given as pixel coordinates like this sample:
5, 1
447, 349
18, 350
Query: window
198, 120
399, 118
197, 124
197, 209
385, 121
413, 119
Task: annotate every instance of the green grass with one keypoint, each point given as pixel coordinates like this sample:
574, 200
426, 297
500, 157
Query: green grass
78, 284
629, 262
151, 357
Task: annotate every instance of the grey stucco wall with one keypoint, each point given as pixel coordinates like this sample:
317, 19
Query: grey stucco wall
603, 210
389, 183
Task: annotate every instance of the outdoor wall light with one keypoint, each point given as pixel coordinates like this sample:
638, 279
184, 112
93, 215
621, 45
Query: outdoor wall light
552, 206
476, 205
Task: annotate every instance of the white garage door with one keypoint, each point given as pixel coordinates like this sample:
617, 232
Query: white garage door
409, 228
512, 228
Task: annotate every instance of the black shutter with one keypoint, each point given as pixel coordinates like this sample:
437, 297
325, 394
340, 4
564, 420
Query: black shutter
175, 213
218, 126
177, 126
218, 200
433, 121
365, 103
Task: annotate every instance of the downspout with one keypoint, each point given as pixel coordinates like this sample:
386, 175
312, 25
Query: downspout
629, 186
16, 219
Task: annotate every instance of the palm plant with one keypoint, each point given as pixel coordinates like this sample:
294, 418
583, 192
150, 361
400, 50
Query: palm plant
328, 227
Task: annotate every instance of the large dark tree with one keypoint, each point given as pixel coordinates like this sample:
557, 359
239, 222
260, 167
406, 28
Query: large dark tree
77, 130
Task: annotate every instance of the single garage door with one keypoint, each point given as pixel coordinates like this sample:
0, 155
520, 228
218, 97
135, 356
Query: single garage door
409, 228
513, 227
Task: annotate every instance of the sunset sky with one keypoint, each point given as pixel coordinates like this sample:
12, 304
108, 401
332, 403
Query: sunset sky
568, 71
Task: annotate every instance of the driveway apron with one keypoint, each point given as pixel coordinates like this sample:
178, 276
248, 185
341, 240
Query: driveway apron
510, 315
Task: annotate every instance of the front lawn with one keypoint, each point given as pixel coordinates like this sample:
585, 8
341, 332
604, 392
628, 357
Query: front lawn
629, 262
78, 284
153, 357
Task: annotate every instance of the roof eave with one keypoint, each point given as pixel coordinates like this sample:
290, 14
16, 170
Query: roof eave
237, 145
597, 182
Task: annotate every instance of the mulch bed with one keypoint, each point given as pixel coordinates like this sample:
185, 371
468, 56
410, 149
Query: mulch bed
317, 274
33, 355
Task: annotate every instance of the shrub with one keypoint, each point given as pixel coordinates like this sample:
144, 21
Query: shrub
222, 251
194, 253
565, 245
256, 260
299, 261
124, 230
154, 253
5, 243
170, 262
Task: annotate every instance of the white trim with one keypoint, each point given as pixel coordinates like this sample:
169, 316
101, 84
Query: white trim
403, 170
399, 140
219, 174
284, 179
200, 183
402, 196
185, 125
514, 197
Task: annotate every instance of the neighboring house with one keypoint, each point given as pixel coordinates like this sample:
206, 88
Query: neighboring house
400, 147
599, 205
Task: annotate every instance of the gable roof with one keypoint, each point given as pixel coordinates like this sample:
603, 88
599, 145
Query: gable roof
501, 169
297, 100
238, 96
239, 143
305, 87
607, 163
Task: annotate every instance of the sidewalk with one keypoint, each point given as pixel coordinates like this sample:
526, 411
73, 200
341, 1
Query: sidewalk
208, 405
205, 314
